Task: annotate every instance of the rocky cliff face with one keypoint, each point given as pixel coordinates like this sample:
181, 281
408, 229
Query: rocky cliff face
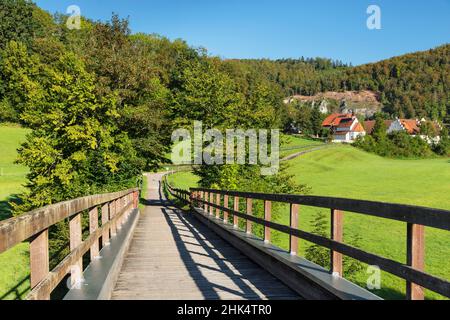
360, 102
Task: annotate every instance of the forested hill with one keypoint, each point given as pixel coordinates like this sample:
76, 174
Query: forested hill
412, 85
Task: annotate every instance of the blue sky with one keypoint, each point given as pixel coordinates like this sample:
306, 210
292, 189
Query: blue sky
282, 28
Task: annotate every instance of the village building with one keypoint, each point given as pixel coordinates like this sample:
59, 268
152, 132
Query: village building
345, 128
410, 126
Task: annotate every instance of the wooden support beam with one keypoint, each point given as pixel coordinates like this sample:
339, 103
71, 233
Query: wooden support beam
337, 218
201, 197
93, 226
294, 224
267, 217
236, 208
120, 203
225, 205
249, 212
206, 200
218, 203
211, 200
112, 214
135, 199
75, 231
105, 219
415, 258
39, 258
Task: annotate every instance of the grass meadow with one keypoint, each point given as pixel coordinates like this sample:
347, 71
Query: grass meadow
14, 263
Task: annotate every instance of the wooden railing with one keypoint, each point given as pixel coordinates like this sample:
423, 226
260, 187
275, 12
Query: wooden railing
34, 226
416, 219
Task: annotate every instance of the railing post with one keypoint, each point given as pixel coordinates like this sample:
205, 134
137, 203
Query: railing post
75, 241
236, 208
249, 212
123, 204
415, 258
337, 218
206, 199
218, 203
105, 219
225, 205
93, 226
39, 259
267, 217
211, 200
112, 214
294, 225
136, 199
119, 208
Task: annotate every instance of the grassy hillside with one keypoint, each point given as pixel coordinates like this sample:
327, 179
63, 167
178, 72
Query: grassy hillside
14, 264
294, 144
183, 180
350, 173
11, 175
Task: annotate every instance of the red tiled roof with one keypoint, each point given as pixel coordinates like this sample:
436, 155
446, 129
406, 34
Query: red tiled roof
358, 128
369, 125
335, 119
410, 126
346, 123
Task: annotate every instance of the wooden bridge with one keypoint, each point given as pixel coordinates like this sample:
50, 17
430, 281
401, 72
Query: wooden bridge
210, 251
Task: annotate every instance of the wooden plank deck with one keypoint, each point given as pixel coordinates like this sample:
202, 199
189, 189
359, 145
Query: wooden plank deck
173, 256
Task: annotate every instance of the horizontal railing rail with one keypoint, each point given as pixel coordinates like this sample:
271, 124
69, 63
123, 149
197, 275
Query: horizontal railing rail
416, 218
34, 226
436, 218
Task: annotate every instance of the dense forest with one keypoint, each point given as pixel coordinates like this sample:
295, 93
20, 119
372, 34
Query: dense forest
413, 85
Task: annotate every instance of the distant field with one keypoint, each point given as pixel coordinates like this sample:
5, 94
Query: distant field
350, 173
347, 172
14, 263
183, 180
11, 175
294, 144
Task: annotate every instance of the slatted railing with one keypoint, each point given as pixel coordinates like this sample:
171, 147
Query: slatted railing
34, 226
416, 219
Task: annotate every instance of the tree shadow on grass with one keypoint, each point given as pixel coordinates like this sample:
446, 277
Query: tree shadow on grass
6, 208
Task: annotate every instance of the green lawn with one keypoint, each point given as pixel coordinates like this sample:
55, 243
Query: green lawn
293, 144
183, 180
14, 264
350, 173
347, 172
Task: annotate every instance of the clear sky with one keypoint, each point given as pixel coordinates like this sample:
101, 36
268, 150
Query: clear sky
282, 28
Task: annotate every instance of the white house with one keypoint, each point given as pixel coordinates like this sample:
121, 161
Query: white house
344, 127
410, 126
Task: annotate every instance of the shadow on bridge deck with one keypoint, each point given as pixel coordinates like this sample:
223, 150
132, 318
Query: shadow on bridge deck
174, 256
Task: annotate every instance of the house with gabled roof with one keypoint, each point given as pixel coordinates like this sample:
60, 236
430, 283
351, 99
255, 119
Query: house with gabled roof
410, 126
344, 127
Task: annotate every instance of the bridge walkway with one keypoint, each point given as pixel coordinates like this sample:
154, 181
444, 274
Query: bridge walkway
174, 256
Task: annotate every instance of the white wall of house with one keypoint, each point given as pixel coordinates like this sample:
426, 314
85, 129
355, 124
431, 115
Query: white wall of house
355, 135
341, 138
395, 126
